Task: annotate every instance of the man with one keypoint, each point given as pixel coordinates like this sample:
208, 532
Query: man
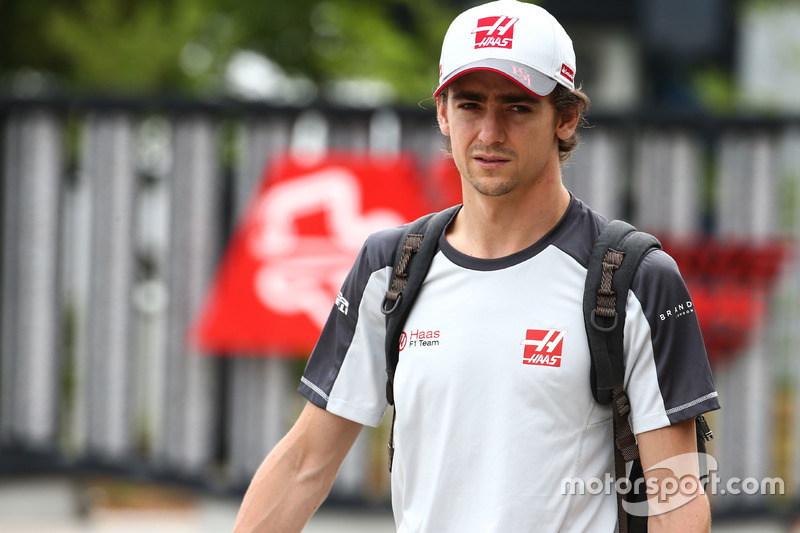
485, 442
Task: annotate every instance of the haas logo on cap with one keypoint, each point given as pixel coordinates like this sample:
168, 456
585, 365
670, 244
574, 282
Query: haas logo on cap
495, 32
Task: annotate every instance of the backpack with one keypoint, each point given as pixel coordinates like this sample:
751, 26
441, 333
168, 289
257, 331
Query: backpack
615, 256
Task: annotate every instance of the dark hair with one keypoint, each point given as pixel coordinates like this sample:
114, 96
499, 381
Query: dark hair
565, 100
568, 100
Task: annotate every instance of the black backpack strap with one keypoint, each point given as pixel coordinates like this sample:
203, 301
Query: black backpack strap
416, 247
615, 257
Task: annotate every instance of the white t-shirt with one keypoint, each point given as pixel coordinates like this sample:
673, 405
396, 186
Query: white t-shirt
494, 410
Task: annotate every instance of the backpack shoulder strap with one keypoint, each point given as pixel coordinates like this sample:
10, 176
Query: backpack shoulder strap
416, 247
616, 255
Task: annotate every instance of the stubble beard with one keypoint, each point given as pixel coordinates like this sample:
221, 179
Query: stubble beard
492, 186
490, 182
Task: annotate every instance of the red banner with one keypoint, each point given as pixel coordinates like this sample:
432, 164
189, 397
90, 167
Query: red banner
294, 246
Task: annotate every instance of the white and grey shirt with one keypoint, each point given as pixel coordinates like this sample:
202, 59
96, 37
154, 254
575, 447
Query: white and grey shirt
494, 408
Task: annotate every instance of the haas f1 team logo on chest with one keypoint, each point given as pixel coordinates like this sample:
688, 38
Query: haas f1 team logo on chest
543, 347
419, 338
495, 32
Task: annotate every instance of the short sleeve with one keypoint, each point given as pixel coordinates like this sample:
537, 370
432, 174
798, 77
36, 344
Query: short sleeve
346, 372
667, 374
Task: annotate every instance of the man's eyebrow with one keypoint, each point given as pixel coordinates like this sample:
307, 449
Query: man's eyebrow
521, 98
469, 95
511, 98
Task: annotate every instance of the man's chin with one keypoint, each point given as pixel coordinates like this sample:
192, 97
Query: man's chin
491, 186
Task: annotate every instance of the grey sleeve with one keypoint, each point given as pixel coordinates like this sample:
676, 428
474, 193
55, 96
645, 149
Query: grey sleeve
342, 336
667, 344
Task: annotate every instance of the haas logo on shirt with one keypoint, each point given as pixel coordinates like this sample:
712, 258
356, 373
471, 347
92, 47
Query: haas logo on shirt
543, 347
419, 338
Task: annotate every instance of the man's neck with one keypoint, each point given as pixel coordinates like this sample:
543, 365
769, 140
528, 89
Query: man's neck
493, 227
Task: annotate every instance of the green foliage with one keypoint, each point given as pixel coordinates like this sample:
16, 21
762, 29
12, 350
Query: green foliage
398, 44
183, 45
131, 46
280, 30
394, 41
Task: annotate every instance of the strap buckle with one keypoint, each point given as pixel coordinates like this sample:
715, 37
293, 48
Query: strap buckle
388, 311
598, 327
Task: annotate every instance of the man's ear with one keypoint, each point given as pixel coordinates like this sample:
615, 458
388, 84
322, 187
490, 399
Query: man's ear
567, 123
441, 115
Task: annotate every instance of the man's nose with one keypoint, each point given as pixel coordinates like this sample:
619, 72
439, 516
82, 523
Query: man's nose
492, 128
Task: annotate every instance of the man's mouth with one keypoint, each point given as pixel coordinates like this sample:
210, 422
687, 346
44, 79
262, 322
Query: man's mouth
490, 159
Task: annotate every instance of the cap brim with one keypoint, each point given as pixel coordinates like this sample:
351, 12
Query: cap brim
529, 79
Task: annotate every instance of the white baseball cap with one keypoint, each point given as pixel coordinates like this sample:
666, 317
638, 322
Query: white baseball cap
523, 42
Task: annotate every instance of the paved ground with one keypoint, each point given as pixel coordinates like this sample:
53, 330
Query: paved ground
57, 505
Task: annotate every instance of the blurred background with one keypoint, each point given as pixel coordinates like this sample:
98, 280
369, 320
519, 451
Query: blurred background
135, 136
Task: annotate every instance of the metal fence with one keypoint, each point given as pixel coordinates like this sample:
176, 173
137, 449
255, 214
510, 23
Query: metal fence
115, 214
